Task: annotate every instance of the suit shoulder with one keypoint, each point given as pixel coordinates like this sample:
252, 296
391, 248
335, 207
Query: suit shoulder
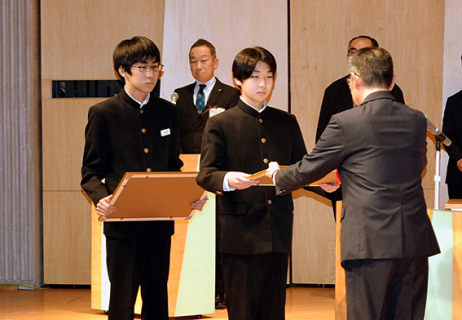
186, 88
281, 113
162, 103
227, 87
108, 104
337, 84
456, 98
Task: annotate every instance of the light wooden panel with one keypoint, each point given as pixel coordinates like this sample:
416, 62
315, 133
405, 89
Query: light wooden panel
313, 253
231, 26
78, 37
66, 237
320, 30
64, 122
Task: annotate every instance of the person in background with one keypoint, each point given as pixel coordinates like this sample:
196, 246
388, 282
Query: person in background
196, 103
452, 128
214, 96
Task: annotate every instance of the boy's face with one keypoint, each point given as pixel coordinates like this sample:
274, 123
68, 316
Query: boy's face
202, 63
139, 84
258, 87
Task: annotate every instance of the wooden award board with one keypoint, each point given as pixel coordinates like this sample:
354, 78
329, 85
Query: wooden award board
265, 181
155, 196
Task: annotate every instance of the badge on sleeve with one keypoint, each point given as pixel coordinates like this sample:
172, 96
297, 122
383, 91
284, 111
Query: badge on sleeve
165, 132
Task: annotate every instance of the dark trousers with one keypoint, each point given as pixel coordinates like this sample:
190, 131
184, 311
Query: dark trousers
386, 289
255, 285
135, 262
219, 283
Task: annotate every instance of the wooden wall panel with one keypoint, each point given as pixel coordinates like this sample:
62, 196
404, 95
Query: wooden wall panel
320, 30
78, 37
64, 122
66, 237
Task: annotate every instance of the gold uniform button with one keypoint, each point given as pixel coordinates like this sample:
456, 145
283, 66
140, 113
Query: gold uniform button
146, 150
260, 120
265, 161
148, 170
263, 140
141, 111
270, 202
143, 130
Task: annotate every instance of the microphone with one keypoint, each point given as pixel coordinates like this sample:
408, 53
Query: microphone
174, 97
439, 136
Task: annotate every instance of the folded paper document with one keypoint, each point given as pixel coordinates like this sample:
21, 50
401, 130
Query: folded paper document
331, 177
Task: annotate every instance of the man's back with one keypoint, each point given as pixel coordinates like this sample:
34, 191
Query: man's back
384, 154
337, 98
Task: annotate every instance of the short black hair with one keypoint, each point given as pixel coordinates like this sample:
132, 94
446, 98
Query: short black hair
131, 51
203, 42
375, 44
245, 61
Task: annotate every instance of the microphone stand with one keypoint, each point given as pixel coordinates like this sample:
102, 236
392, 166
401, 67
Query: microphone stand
437, 177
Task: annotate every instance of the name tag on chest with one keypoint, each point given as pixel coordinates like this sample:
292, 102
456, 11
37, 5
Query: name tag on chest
165, 132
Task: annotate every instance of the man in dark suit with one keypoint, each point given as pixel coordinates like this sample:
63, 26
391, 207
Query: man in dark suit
133, 131
256, 226
452, 127
217, 96
379, 149
337, 98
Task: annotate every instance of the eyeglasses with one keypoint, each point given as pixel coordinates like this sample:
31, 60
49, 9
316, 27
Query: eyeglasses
146, 68
352, 51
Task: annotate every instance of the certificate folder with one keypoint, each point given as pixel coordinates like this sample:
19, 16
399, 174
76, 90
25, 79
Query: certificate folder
155, 196
331, 177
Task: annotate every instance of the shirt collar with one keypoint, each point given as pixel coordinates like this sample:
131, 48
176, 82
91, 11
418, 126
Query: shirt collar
142, 104
209, 83
259, 111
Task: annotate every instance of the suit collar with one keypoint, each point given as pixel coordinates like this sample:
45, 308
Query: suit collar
377, 95
217, 90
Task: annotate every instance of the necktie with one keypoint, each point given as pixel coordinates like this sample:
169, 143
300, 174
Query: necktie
200, 99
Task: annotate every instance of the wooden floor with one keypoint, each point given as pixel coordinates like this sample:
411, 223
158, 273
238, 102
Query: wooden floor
74, 304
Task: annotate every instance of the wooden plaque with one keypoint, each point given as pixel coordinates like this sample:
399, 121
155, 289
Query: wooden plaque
155, 196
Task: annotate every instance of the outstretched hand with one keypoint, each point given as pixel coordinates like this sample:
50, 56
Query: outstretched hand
273, 166
330, 187
239, 181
